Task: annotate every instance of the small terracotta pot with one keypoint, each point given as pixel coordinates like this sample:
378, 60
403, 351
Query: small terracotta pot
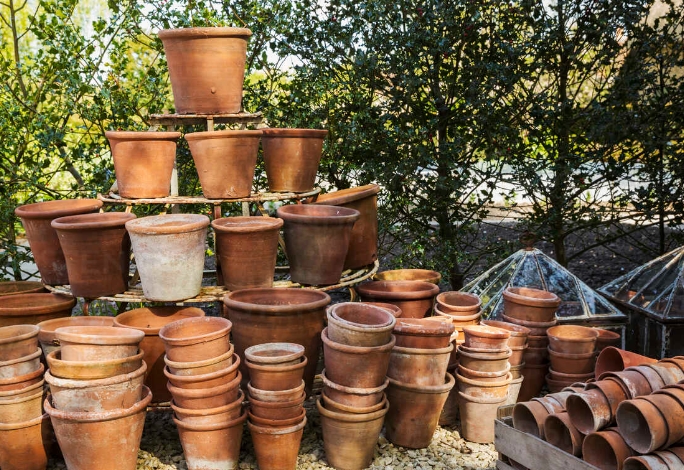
560, 432
414, 412
423, 333
277, 423
85, 437
606, 449
29, 309
408, 275
459, 303
199, 398
21, 287
419, 366
96, 343
607, 338
528, 304
201, 367
207, 416
350, 439
196, 339
277, 409
654, 379
393, 309
26, 445
496, 376
22, 405
670, 373
47, 337
572, 339
632, 382
414, 298
572, 363
481, 389
458, 321
275, 354
247, 248
535, 378
97, 252
17, 341
529, 417
518, 333
20, 366
357, 324
513, 391
645, 462
276, 448
477, 417
204, 381
276, 377
22, 381
283, 395
291, 158
486, 337
642, 425
84, 370
483, 362
356, 366
351, 396
42, 238
613, 359
336, 407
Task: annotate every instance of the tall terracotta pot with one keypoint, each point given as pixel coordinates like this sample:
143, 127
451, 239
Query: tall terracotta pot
278, 315
97, 249
25, 309
225, 161
291, 157
42, 238
247, 248
276, 448
169, 254
206, 67
317, 239
26, 445
414, 298
363, 246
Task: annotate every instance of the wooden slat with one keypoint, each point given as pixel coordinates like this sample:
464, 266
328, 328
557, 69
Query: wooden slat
203, 119
112, 198
503, 466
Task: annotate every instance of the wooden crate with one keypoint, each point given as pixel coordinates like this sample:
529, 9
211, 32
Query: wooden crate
529, 450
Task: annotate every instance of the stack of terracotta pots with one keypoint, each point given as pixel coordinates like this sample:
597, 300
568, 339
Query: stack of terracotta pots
22, 444
276, 396
517, 342
534, 309
48, 338
357, 345
204, 381
96, 391
415, 298
572, 355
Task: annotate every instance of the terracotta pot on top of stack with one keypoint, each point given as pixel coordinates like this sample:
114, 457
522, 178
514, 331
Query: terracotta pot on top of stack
572, 354
415, 298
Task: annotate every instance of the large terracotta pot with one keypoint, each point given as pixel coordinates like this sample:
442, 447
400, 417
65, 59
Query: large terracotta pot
363, 246
612, 359
316, 240
48, 338
414, 298
225, 161
42, 238
97, 250
150, 320
278, 315
169, 254
276, 448
291, 157
572, 339
528, 304
143, 162
21, 287
206, 67
26, 445
247, 248
25, 309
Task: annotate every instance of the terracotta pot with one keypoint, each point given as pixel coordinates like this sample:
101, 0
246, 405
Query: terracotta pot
357, 324
486, 337
560, 432
592, 410
572, 378
276, 448
247, 248
22, 381
276, 377
477, 417
283, 395
634, 384
672, 410
204, 381
26, 445
482, 389
645, 462
536, 328
607, 338
516, 371
459, 303
349, 440
201, 398
538, 342
20, 366
277, 423
514, 391
206, 67
572, 339
518, 334
655, 381
363, 246
150, 320
409, 275
211, 446
97, 395
678, 451
555, 385
21, 287
336, 407
143, 162
670, 373
316, 239
606, 449
225, 161
496, 376
642, 425
671, 459
201, 367
47, 337
96, 343
196, 339
17, 341
353, 396
29, 309
85, 370
517, 355
528, 304
278, 315
419, 366
678, 361
356, 366
529, 417
551, 404
291, 158
536, 355
423, 333
18, 406
484, 362
277, 409
414, 412
42, 238
572, 363
535, 378
613, 359
393, 309
414, 298
459, 321
85, 438
280, 354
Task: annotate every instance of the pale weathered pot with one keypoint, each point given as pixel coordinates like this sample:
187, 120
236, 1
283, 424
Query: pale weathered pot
484, 362
414, 298
276, 376
17, 341
481, 389
425, 275
29, 309
477, 417
595, 408
42, 238
282, 395
332, 405
495, 376
48, 338
277, 423
85, 370
419, 366
94, 343
26, 445
206, 416
528, 304
203, 381
393, 309
21, 287
199, 398
143, 162
276, 448
513, 391
196, 339
20, 366
206, 67
560, 432
351, 396
357, 324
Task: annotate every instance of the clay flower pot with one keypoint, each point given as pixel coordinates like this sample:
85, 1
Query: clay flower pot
200, 367
211, 446
332, 405
276, 448
356, 324
21, 287
560, 432
207, 416
409, 275
414, 298
353, 396
572, 378
84, 370
169, 254
201, 398
47, 337
247, 248
516, 371
423, 333
606, 449
486, 337
22, 381
316, 240
143, 162
96, 248
277, 423
414, 412
655, 381
458, 303
20, 366
26, 445
350, 439
517, 355
206, 67
459, 321
572, 339
645, 462
277, 409
225, 161
278, 315
595, 408
556, 385
514, 391
634, 383
419, 366
22, 405
282, 395
484, 389
85, 438
607, 338
276, 376
670, 373
642, 425
196, 339
29, 309
150, 320
95, 343
535, 378
495, 376
529, 417
393, 309
17, 341
478, 416
484, 362
572, 363
291, 158
518, 334
275, 354
528, 304
42, 238
363, 245
672, 410
204, 381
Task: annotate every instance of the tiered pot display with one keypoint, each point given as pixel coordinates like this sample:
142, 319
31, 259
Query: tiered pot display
572, 355
23, 309
425, 275
143, 162
316, 240
169, 254
414, 298
42, 238
247, 248
47, 337
97, 251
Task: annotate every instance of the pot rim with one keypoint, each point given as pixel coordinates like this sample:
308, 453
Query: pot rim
515, 330
353, 409
425, 389
56, 363
353, 390
98, 335
418, 327
516, 294
477, 355
570, 355
154, 331
275, 431
279, 404
210, 411
285, 132
396, 311
9, 393
23, 287
556, 332
276, 367
92, 416
14, 401
195, 393
224, 134
47, 334
273, 422
25, 424
142, 135
478, 383
575, 377
223, 329
23, 378
62, 207
529, 324
458, 318
475, 373
353, 417
485, 331
356, 349
93, 383
94, 221
273, 393
167, 224
428, 274
28, 357
336, 215
368, 328
481, 400
203, 32
25, 332
18, 307
321, 300
197, 364
422, 351
246, 224
424, 290
441, 296
203, 377
253, 357
345, 196
213, 426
